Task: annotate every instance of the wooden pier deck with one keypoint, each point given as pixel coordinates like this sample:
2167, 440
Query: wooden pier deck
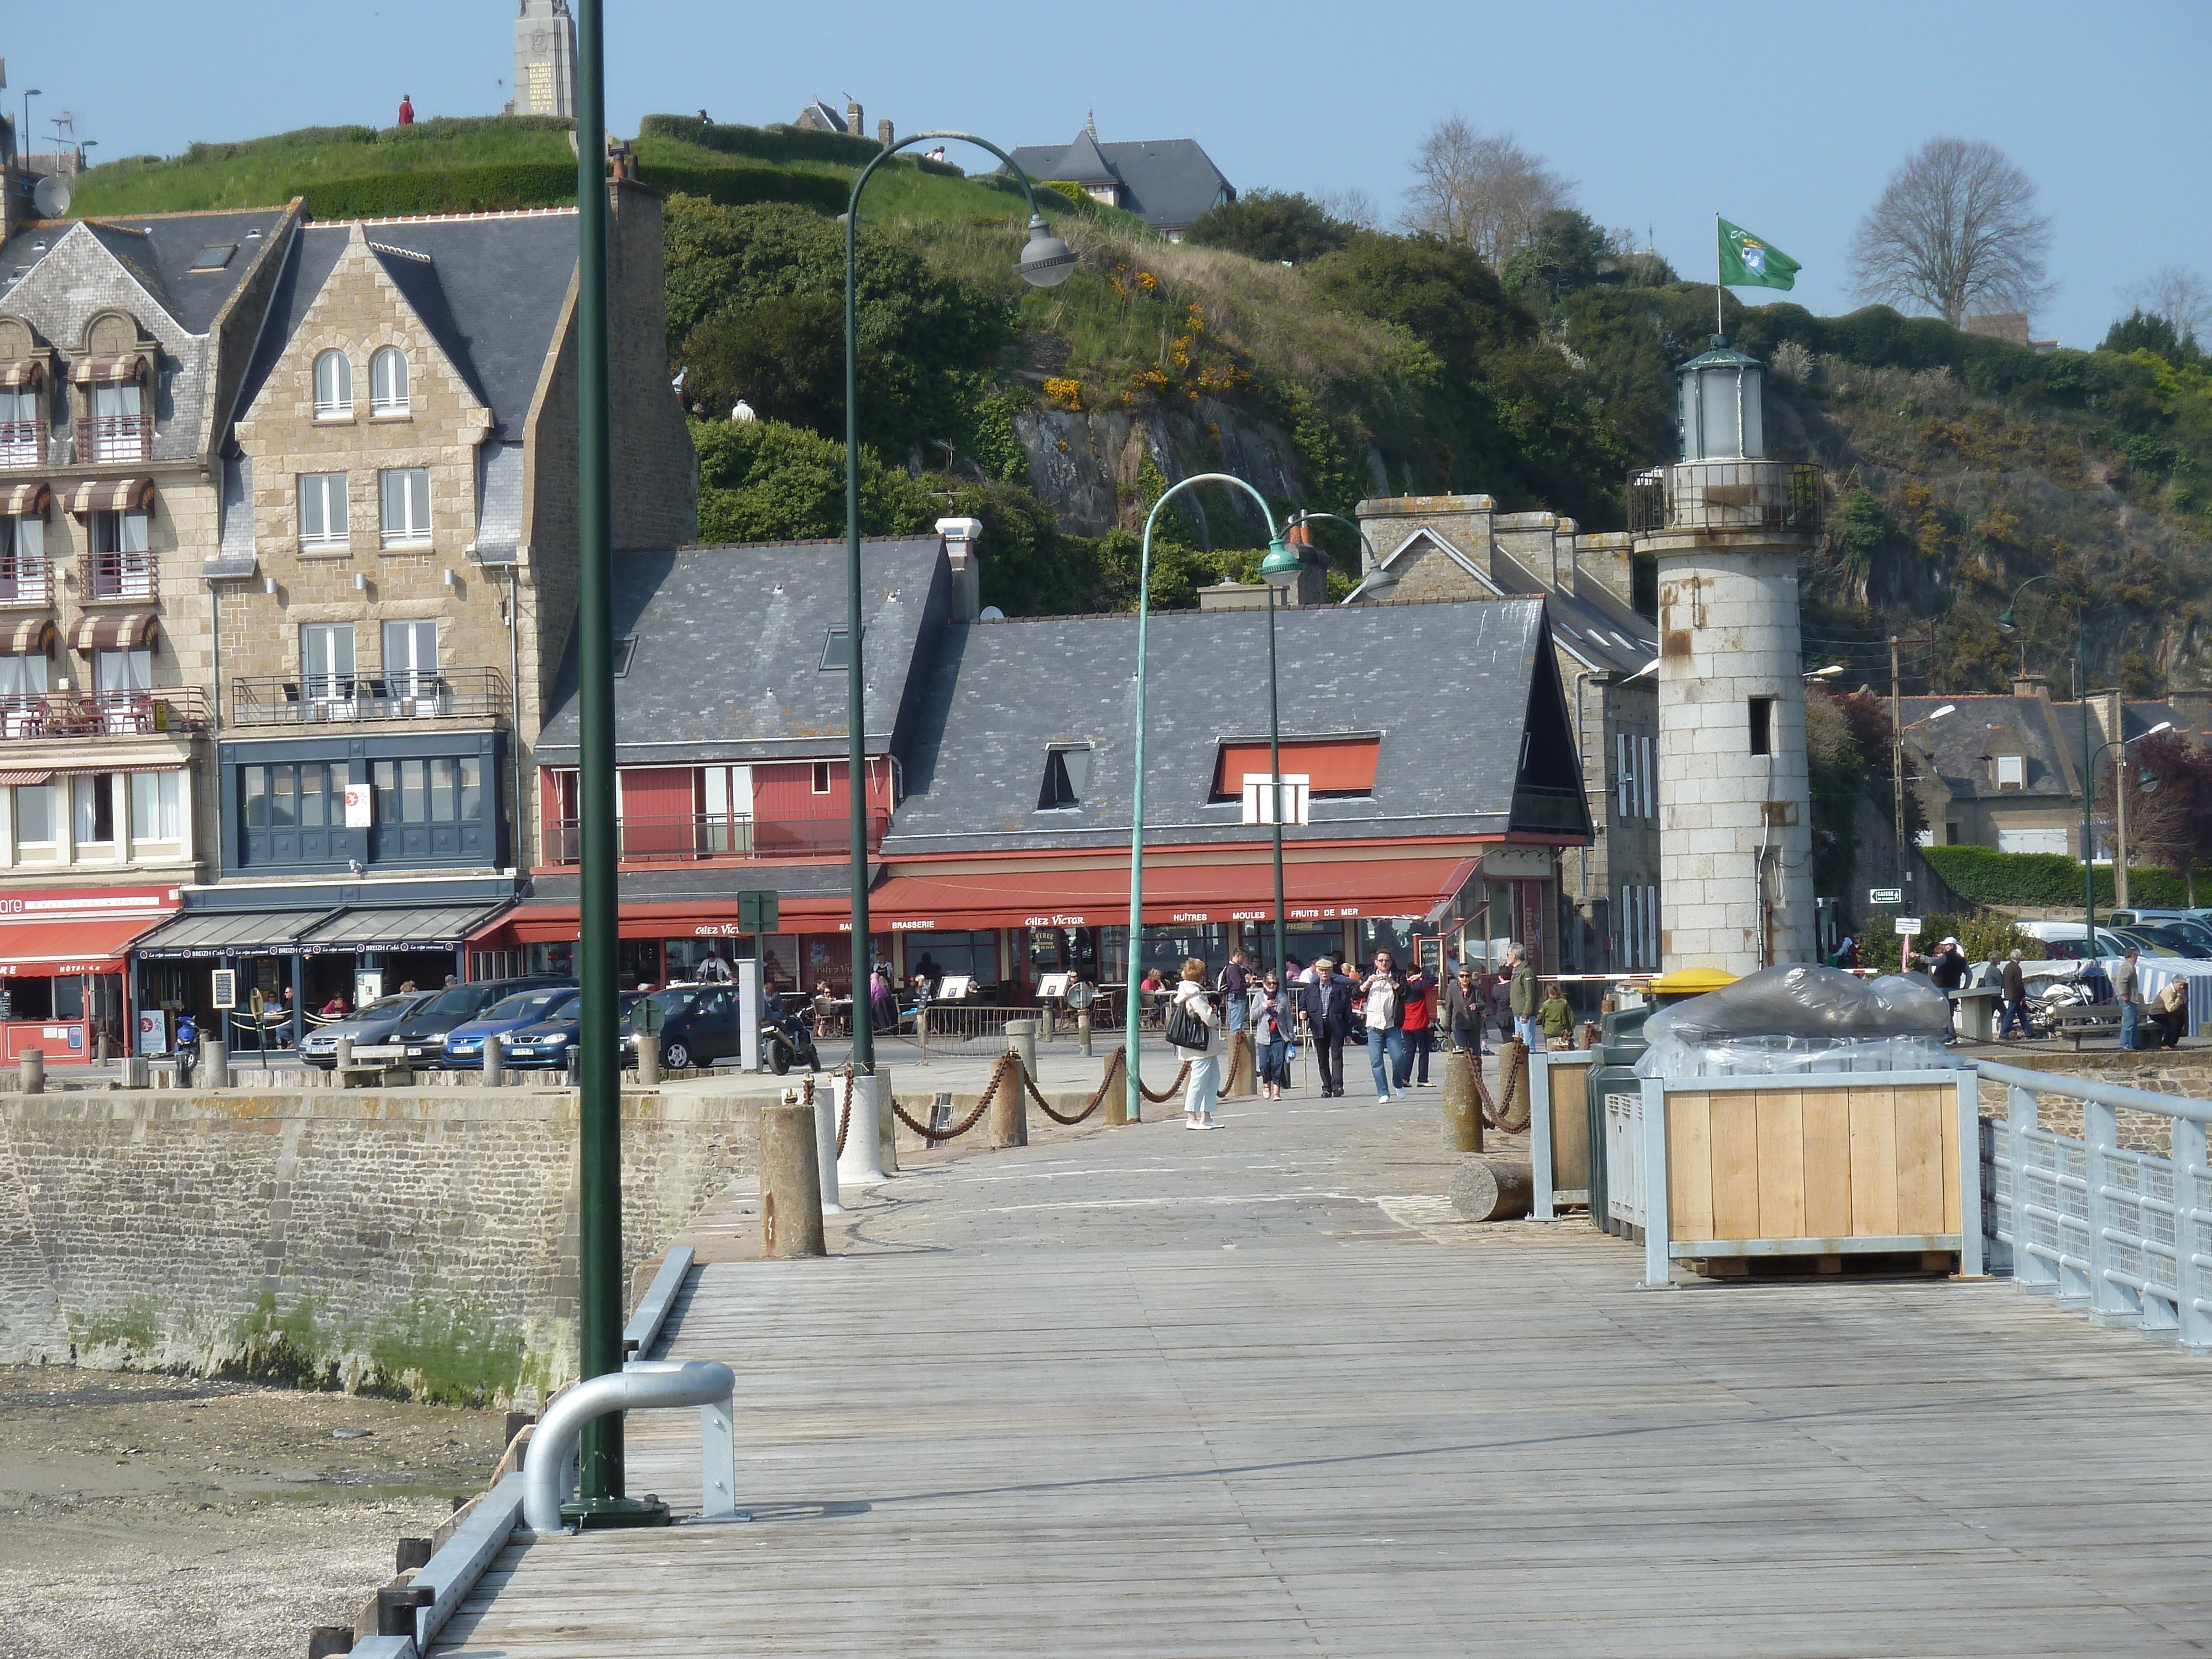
1142, 1392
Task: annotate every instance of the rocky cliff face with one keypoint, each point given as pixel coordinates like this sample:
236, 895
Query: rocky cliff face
1087, 466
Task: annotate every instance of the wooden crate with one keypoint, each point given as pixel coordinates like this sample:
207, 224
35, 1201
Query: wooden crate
1559, 1129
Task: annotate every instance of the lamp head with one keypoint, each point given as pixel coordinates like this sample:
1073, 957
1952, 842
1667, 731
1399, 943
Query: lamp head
1947, 709
2007, 622
2163, 725
1047, 261
1280, 569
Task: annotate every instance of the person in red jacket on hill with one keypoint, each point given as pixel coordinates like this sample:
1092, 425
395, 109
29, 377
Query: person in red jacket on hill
406, 109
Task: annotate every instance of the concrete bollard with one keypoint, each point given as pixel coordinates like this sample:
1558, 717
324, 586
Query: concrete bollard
886, 1123
862, 1160
1462, 1108
137, 1072
494, 1074
100, 1050
341, 1059
33, 1072
1009, 1114
1021, 1036
826, 1108
791, 1183
1244, 1067
648, 1059
1116, 1108
1083, 1030
215, 1063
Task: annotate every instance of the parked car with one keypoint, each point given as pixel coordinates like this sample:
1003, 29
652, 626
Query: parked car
423, 1033
465, 1044
2062, 940
2164, 939
2146, 941
699, 1026
373, 1025
545, 1044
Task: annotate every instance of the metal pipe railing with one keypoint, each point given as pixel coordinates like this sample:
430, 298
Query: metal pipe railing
642, 1385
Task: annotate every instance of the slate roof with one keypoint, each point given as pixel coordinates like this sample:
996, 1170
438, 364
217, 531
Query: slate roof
489, 287
1957, 746
1170, 181
158, 250
1002, 692
729, 642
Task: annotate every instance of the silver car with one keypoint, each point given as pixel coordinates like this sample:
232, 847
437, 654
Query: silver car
366, 1026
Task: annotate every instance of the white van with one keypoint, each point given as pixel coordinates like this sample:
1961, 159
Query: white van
2062, 940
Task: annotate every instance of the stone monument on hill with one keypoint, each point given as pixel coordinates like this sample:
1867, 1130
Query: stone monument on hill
544, 60
1726, 525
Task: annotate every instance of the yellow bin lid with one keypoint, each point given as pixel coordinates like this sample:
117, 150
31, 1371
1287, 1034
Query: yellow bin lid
1689, 982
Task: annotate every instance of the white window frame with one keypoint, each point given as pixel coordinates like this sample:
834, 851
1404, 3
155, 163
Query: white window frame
55, 809
412, 498
328, 680
2018, 766
157, 798
319, 492
387, 381
1624, 773
406, 673
333, 387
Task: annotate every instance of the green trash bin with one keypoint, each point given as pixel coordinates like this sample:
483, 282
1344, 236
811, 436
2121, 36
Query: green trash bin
1621, 1044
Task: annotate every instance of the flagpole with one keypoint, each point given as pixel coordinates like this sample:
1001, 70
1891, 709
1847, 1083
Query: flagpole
1719, 326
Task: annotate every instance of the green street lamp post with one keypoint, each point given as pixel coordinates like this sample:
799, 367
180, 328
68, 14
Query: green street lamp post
1279, 571
1045, 262
598, 1236
1280, 567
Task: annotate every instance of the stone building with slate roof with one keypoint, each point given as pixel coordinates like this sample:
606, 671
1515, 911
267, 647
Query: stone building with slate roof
1168, 182
1453, 548
1000, 770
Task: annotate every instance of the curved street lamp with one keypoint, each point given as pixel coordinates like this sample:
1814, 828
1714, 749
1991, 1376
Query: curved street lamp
1279, 568
1045, 262
2008, 622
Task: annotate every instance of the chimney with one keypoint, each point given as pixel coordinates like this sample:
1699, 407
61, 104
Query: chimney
964, 555
1312, 586
1563, 544
852, 123
2192, 711
1602, 558
884, 134
2105, 707
1465, 521
2031, 685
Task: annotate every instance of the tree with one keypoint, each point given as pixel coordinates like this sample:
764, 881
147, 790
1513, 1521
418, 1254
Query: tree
1282, 228
1482, 189
2178, 295
1955, 231
1563, 254
2147, 331
2171, 822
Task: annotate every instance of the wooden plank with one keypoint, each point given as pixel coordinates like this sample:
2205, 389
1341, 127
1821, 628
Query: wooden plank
1690, 1165
1736, 1164
1571, 1160
1873, 1162
1922, 1171
1945, 1105
1780, 1162
1827, 1162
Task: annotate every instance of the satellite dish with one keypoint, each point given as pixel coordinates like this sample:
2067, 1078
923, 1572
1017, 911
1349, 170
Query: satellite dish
50, 197
991, 613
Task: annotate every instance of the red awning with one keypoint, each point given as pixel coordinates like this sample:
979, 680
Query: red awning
94, 944
538, 924
1048, 895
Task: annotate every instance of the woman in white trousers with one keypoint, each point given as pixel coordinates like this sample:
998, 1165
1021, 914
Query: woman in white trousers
1205, 1061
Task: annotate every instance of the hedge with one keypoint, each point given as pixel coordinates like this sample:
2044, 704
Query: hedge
1982, 875
776, 143
739, 186
489, 189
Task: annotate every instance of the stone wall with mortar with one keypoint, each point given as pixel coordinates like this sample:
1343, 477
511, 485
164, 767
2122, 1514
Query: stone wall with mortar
2162, 1071
418, 1240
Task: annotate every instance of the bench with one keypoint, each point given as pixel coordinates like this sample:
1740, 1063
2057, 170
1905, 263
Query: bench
376, 1065
2080, 1023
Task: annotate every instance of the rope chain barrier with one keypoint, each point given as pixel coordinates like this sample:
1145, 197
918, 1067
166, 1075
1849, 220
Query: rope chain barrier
1113, 1070
845, 1112
1170, 1092
1513, 1062
982, 1105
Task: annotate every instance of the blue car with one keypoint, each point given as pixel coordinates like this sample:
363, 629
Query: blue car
464, 1046
545, 1045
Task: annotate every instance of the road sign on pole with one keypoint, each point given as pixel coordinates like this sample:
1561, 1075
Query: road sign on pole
1885, 896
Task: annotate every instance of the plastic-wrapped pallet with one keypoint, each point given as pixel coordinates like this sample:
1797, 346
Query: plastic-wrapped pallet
1799, 1017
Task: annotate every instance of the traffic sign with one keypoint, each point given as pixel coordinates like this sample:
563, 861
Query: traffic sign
757, 910
1908, 925
1885, 896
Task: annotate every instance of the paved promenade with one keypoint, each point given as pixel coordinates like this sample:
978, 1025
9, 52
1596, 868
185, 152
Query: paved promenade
1144, 1391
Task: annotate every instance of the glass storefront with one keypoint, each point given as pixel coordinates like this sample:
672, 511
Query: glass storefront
975, 953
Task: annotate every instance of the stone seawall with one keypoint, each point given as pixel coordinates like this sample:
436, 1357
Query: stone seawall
413, 1242
2161, 1071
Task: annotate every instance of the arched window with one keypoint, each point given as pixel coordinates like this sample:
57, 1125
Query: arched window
387, 382
333, 385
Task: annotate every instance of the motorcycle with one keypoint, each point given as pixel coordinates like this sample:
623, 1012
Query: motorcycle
2043, 1010
789, 1044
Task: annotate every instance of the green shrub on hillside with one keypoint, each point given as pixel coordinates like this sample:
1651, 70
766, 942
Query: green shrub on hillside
448, 190
741, 186
2046, 880
771, 143
1281, 227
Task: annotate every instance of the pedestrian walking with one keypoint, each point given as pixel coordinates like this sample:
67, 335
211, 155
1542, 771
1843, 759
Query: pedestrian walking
1235, 990
1274, 1020
2125, 984
1499, 989
1947, 967
1383, 1001
1419, 1024
1191, 1021
2014, 982
1521, 995
1326, 1005
1465, 1004
1555, 1016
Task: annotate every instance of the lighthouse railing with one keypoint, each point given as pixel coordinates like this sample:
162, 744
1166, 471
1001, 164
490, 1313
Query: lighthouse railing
1783, 498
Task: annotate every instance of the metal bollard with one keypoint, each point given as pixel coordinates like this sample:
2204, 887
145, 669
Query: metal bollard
33, 1072
341, 1059
574, 1080
825, 1150
1463, 1118
494, 1074
1083, 1030
1021, 1036
215, 1063
648, 1059
1051, 1018
791, 1182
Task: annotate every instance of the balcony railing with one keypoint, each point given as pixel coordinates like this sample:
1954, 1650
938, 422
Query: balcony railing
102, 438
121, 576
80, 715
26, 581
408, 694
1785, 497
23, 443
688, 837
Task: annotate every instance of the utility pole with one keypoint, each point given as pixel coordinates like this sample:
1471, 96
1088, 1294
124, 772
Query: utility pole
1897, 755
2119, 809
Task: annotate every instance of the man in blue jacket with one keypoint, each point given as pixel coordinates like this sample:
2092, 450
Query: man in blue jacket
1326, 1006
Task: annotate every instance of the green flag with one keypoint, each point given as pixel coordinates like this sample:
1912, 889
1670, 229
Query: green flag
1748, 262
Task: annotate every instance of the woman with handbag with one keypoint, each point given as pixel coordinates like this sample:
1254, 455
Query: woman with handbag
1190, 1031
1273, 1020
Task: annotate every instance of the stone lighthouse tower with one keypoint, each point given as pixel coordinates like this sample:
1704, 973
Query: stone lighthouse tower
1727, 527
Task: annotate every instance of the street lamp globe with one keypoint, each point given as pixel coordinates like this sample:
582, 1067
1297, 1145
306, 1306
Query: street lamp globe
1280, 569
1047, 261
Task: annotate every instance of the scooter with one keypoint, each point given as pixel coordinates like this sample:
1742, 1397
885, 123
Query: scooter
789, 1044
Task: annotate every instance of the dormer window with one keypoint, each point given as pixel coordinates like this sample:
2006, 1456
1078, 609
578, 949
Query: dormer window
2011, 770
333, 387
387, 382
215, 256
1067, 774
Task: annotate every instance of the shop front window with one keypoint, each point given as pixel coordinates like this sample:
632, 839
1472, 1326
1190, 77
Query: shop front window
937, 957
1386, 934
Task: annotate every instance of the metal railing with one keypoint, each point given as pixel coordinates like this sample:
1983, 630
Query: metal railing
665, 838
23, 443
103, 713
132, 575
2118, 1233
105, 438
26, 581
446, 694
1784, 496
946, 1028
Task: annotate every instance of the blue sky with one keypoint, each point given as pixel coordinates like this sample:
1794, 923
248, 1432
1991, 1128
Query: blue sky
1787, 118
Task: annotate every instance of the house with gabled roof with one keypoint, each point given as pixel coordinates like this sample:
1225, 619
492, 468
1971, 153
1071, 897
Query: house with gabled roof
1167, 182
